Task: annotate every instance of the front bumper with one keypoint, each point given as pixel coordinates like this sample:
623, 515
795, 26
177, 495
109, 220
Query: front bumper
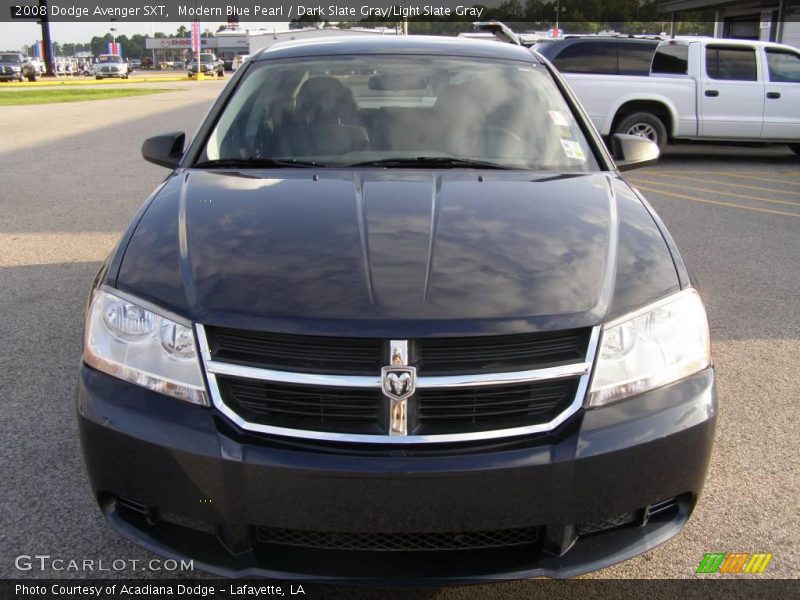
186, 483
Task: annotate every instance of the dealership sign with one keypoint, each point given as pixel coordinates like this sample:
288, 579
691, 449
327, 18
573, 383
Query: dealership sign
228, 41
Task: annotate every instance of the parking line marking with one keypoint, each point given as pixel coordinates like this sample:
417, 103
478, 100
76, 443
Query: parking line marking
739, 185
718, 193
732, 174
718, 203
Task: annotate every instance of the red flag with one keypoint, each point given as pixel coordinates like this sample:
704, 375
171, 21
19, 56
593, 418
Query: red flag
196, 37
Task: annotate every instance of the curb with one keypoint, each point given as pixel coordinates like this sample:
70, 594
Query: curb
93, 81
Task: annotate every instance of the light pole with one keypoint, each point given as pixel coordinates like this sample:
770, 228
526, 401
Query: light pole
113, 36
559, 10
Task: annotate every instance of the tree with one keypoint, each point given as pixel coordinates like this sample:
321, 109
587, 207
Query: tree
182, 31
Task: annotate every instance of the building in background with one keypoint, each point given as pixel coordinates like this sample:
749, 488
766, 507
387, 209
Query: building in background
765, 20
264, 39
226, 45
230, 43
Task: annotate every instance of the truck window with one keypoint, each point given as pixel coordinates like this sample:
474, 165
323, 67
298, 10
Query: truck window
588, 57
731, 64
671, 59
784, 66
635, 58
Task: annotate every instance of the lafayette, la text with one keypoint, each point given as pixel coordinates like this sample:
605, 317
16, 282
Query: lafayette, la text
194, 590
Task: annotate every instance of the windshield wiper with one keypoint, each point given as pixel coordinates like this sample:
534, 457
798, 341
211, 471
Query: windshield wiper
251, 163
441, 162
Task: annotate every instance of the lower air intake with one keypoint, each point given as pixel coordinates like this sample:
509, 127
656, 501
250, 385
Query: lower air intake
398, 542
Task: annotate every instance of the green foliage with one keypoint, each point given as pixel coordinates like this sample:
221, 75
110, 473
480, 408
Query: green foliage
53, 96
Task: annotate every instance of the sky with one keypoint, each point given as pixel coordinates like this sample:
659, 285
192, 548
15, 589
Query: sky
14, 35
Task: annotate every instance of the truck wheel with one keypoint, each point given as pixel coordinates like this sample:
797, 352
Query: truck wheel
97, 77
795, 148
644, 125
32, 77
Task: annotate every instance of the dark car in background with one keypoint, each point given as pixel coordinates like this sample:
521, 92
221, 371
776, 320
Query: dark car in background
13, 67
610, 55
395, 316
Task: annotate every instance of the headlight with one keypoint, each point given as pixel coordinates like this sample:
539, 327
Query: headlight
129, 341
657, 345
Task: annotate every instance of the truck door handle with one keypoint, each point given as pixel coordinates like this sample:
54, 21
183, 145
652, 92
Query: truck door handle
712, 93
773, 95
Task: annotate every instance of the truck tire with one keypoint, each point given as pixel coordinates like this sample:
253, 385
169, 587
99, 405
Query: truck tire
795, 148
644, 125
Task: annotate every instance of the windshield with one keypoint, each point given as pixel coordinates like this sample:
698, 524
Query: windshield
110, 59
367, 110
13, 58
207, 57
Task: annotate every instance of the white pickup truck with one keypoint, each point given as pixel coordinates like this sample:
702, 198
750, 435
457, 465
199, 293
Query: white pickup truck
702, 89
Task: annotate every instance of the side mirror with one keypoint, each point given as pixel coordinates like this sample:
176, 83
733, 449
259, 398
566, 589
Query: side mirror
165, 150
632, 151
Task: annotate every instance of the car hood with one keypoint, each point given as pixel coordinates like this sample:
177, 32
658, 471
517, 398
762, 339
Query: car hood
411, 252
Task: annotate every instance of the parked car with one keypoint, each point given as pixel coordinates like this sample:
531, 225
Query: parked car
33, 68
88, 69
209, 65
600, 55
135, 63
11, 67
147, 62
702, 89
239, 60
111, 65
410, 325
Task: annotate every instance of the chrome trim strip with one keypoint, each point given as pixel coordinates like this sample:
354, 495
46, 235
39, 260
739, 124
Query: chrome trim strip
584, 371
363, 381
398, 353
369, 381
455, 381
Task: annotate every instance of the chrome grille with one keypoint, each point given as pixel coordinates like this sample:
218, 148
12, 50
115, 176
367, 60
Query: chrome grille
249, 385
365, 356
492, 407
353, 410
496, 354
302, 353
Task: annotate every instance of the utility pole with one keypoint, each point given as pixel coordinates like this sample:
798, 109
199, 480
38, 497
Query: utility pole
48, 55
559, 10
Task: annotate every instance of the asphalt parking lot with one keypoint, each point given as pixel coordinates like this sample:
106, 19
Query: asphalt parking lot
73, 177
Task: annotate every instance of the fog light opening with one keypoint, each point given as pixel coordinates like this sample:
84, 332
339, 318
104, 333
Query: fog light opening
150, 514
651, 510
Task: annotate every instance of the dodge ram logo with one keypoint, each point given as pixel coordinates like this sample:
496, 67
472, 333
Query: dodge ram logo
398, 382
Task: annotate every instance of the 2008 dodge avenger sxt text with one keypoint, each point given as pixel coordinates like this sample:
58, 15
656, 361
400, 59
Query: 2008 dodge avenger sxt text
395, 316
